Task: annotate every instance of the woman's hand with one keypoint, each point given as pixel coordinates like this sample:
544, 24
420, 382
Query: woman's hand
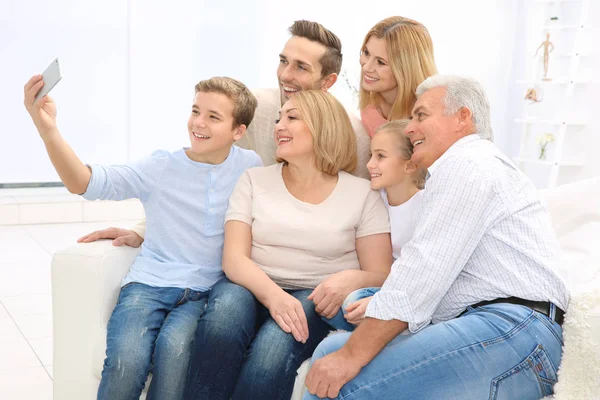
42, 111
287, 311
330, 294
356, 311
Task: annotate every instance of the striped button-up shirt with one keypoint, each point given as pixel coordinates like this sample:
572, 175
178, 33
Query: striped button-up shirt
482, 234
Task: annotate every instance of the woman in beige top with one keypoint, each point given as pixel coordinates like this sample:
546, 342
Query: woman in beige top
300, 235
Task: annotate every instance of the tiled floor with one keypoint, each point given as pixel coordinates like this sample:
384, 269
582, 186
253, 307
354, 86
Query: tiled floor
26, 304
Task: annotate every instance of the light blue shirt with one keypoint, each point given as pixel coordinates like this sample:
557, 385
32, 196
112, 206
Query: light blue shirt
185, 203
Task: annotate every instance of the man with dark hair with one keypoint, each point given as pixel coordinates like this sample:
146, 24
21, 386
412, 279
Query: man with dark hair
331, 60
310, 59
330, 50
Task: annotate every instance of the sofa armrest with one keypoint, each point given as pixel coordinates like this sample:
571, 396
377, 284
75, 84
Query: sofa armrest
86, 279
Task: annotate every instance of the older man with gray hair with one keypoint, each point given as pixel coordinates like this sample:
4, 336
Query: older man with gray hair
474, 305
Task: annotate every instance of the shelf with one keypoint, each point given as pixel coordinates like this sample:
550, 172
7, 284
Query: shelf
556, 82
548, 121
574, 54
558, 1
548, 163
552, 27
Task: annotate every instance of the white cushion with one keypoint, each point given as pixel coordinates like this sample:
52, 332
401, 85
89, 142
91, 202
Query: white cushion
575, 213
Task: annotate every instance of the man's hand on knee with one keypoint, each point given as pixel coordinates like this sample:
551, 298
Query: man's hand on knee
329, 374
120, 237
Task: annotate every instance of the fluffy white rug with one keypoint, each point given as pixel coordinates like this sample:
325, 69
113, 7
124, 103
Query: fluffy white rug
579, 373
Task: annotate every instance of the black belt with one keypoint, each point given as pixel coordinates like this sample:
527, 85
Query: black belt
539, 306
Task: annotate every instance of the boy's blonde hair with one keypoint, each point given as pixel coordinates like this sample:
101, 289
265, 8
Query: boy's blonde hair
404, 146
244, 102
410, 56
333, 137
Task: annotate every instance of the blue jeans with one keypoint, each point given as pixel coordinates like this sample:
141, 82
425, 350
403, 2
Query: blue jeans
338, 321
498, 351
241, 353
150, 328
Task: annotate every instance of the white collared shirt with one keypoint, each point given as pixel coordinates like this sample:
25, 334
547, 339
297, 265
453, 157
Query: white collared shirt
483, 234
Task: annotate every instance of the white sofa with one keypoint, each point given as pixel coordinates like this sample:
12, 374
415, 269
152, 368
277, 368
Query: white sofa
86, 281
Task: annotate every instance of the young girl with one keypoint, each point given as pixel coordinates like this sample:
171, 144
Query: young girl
396, 56
400, 182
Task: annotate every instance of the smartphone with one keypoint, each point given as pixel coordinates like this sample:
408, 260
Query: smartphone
51, 77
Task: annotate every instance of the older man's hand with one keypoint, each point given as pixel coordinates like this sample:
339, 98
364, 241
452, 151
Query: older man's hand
328, 374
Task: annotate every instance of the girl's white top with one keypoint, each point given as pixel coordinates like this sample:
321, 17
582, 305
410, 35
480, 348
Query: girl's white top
403, 220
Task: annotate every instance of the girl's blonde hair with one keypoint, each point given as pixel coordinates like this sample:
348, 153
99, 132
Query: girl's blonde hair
405, 147
410, 56
333, 137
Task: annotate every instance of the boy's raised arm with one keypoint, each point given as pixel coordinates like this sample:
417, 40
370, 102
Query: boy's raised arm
73, 173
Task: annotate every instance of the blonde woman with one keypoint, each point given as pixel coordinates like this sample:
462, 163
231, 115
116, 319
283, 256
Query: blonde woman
293, 231
396, 56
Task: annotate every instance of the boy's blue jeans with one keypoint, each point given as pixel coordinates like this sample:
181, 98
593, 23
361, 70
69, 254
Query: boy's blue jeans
338, 321
151, 329
497, 351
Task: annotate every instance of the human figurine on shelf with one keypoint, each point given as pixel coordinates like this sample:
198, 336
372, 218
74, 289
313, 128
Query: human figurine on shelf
532, 94
548, 48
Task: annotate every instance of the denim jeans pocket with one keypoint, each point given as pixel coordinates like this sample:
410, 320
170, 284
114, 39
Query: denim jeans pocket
552, 327
520, 381
127, 285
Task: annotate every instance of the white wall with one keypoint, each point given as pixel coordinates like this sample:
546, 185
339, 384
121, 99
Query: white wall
173, 46
130, 66
90, 39
591, 143
591, 68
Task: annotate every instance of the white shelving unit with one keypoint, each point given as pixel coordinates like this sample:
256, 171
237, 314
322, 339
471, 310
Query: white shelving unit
560, 120
549, 163
533, 120
557, 1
